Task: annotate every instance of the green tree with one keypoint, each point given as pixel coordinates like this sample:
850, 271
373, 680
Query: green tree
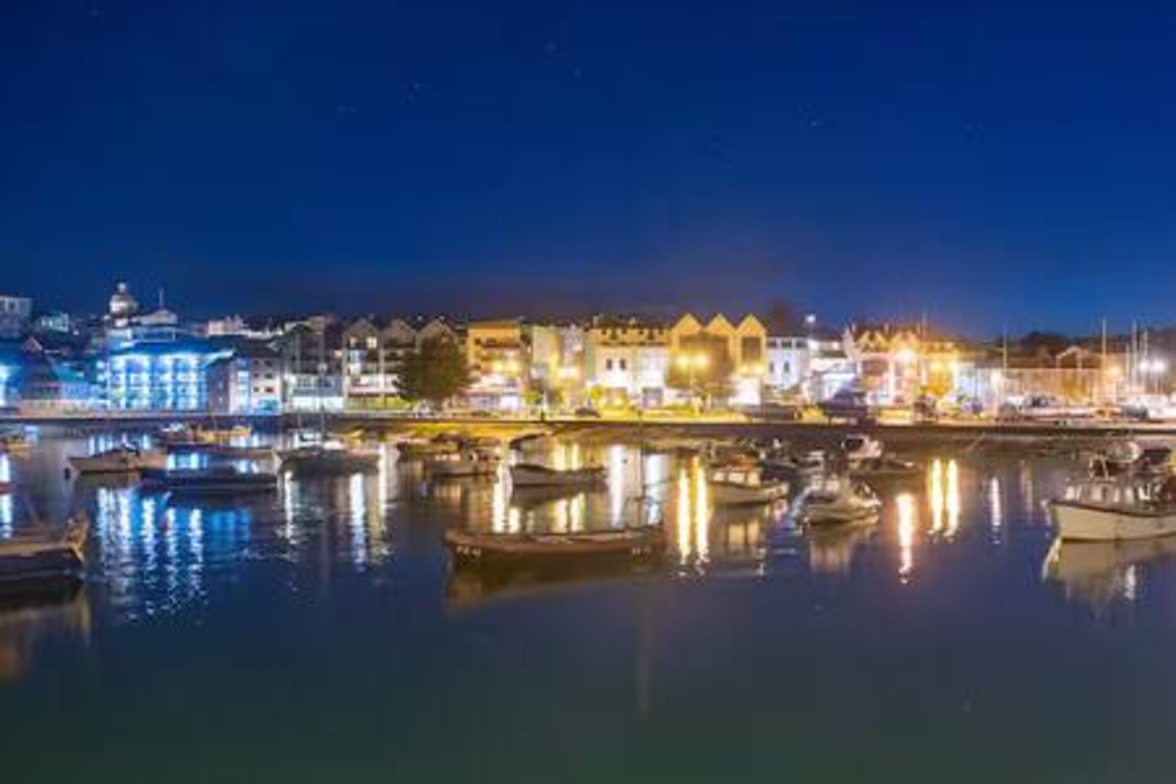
436, 373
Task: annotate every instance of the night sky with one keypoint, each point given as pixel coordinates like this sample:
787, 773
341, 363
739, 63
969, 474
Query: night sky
987, 163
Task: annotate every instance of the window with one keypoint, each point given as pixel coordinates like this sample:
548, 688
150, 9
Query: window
623, 364
608, 364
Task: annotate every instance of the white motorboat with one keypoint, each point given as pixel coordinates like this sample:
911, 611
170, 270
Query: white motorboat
122, 459
535, 475
838, 501
1108, 511
743, 484
857, 447
466, 463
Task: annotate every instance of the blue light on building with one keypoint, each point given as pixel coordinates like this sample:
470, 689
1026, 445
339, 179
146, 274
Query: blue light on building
166, 376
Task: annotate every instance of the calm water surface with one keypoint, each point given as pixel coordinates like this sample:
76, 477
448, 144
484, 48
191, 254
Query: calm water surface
317, 635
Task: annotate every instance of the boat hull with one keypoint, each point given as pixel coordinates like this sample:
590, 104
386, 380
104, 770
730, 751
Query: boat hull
460, 469
1083, 522
117, 463
555, 550
534, 476
725, 494
328, 464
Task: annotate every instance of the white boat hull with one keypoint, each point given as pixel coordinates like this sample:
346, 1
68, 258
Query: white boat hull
1076, 521
724, 494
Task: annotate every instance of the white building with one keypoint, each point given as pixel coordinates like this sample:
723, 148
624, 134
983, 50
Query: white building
627, 361
788, 364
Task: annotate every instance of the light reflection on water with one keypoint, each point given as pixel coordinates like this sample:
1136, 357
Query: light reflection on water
151, 554
343, 581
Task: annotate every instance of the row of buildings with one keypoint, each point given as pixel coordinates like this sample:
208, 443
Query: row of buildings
131, 358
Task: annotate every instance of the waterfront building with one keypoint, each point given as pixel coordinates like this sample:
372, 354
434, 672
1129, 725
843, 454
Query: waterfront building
1075, 374
163, 375
123, 306
897, 363
498, 357
312, 365
15, 315
740, 348
626, 361
788, 361
248, 381
54, 322
51, 382
557, 362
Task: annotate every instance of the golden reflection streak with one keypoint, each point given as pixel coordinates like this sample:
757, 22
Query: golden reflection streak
907, 527
995, 509
953, 498
701, 514
935, 494
683, 515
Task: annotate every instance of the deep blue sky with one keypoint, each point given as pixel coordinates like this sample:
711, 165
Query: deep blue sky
989, 163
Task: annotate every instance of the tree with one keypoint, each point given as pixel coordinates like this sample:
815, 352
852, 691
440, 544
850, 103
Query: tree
435, 373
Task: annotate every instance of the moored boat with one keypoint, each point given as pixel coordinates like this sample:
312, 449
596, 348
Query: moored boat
858, 447
644, 544
122, 459
466, 463
1121, 509
213, 480
33, 559
535, 475
14, 441
839, 501
423, 448
328, 458
739, 484
885, 467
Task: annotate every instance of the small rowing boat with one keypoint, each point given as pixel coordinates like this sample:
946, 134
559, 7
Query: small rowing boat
644, 544
213, 480
35, 558
535, 475
122, 459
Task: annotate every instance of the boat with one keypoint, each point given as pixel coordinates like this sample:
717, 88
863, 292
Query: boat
643, 544
857, 447
535, 475
327, 458
466, 463
1128, 458
14, 441
32, 559
804, 464
423, 448
838, 501
885, 467
731, 485
1115, 510
123, 459
213, 480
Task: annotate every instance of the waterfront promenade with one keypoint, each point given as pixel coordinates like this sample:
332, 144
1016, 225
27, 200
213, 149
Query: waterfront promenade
719, 426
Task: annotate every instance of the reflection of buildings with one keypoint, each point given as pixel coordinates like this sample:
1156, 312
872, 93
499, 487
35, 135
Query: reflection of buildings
498, 358
25, 619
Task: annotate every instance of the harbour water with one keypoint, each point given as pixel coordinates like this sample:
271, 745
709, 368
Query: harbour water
319, 635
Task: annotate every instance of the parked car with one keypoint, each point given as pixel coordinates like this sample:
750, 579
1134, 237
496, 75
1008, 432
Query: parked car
848, 405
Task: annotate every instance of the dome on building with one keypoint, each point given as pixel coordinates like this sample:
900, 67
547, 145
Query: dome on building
123, 304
